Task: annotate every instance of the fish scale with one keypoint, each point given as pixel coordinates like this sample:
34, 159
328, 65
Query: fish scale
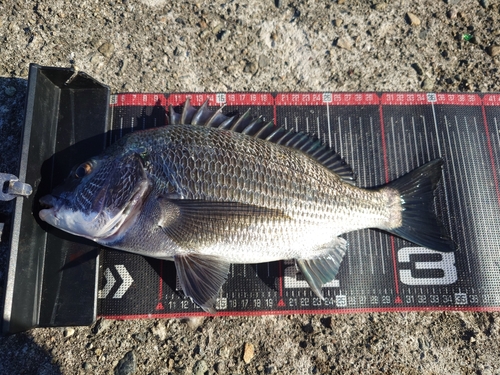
236, 190
276, 177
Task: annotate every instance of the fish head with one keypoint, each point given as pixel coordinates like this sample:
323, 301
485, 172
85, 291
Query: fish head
101, 198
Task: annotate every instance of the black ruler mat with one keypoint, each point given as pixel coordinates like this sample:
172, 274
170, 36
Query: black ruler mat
382, 136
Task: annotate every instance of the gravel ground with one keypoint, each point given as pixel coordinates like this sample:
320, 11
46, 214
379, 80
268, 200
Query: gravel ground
342, 45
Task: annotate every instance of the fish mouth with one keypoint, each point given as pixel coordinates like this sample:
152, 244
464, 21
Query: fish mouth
48, 211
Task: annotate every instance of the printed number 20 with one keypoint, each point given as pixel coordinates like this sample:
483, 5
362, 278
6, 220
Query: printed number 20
445, 265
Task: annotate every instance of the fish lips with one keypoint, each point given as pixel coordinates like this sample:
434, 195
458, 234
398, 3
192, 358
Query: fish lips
49, 210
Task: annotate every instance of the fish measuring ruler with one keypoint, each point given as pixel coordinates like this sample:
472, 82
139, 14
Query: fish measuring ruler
382, 136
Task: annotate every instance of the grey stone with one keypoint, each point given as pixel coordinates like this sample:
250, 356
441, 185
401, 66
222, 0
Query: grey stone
87, 367
251, 67
102, 325
493, 50
106, 49
200, 368
127, 365
160, 331
413, 19
344, 43
68, 332
140, 337
428, 84
220, 368
264, 61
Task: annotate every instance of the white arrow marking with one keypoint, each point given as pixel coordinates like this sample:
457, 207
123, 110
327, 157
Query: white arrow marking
127, 280
110, 282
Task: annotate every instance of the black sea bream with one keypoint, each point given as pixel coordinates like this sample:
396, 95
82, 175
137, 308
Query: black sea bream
209, 190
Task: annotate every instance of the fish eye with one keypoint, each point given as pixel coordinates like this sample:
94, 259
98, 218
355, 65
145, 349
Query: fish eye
83, 170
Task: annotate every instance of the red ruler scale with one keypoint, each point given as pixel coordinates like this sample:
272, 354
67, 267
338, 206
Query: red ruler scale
382, 136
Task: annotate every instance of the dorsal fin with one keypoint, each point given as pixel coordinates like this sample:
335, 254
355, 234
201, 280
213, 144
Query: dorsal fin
258, 128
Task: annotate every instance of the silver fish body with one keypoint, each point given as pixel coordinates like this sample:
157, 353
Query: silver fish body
210, 190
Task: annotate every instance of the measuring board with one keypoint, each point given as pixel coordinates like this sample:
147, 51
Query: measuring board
382, 136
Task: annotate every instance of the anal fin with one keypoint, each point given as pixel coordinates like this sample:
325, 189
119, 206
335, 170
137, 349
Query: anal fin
201, 277
323, 268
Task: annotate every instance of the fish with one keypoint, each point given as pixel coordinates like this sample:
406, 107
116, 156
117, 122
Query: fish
208, 190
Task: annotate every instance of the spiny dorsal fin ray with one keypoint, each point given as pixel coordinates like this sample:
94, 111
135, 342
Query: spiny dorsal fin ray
256, 127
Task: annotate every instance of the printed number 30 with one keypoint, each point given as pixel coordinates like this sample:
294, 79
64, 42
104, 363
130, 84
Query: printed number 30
430, 268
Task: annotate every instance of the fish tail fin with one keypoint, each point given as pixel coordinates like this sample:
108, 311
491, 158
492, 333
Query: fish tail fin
419, 223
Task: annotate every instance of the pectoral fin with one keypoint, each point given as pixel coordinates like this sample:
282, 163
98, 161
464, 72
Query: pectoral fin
201, 277
323, 268
197, 222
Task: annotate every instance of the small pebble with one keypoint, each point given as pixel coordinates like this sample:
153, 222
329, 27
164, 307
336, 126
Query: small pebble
194, 322
178, 51
68, 332
248, 352
101, 326
423, 34
160, 331
427, 84
224, 352
344, 43
251, 67
127, 365
141, 337
414, 20
452, 14
200, 367
380, 6
216, 30
475, 40
170, 363
493, 50
264, 61
338, 22
452, 2
220, 368
106, 49
87, 367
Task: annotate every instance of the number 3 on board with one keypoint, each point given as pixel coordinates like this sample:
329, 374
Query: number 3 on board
423, 266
